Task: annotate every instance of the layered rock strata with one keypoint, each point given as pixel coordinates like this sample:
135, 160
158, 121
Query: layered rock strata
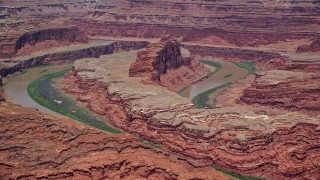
168, 64
281, 146
38, 146
10, 45
68, 56
263, 59
241, 23
313, 47
285, 89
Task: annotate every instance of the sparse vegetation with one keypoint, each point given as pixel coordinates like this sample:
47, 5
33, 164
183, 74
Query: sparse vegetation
228, 75
23, 71
149, 143
201, 100
68, 108
44, 71
217, 65
249, 66
182, 90
236, 175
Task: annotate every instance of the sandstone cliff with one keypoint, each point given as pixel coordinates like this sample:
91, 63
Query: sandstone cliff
296, 91
34, 145
10, 45
272, 146
241, 23
313, 47
168, 64
71, 55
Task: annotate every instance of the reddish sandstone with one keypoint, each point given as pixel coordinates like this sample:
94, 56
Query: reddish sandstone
313, 47
168, 64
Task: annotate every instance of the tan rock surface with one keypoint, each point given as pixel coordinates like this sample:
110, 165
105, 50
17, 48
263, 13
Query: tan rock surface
233, 138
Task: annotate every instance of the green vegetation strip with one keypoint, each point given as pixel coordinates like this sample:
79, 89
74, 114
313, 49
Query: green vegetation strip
149, 143
23, 71
182, 90
217, 65
44, 71
42, 91
249, 66
201, 100
228, 75
236, 175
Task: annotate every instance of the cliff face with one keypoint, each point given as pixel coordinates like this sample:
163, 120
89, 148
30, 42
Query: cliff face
313, 47
10, 45
63, 34
240, 22
63, 149
295, 91
168, 63
68, 56
272, 146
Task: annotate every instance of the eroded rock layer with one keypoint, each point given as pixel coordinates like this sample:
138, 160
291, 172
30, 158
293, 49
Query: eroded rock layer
313, 47
38, 146
10, 45
93, 50
282, 146
285, 89
239, 22
169, 64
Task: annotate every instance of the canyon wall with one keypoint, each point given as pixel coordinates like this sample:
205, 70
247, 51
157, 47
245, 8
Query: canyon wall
68, 56
296, 91
169, 64
271, 146
233, 54
64, 149
11, 44
238, 22
313, 47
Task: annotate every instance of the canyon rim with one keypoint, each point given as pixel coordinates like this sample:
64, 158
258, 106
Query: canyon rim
159, 89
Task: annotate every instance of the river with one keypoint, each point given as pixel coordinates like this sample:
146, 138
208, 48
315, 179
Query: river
16, 87
229, 69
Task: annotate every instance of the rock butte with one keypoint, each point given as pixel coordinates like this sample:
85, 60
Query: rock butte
267, 124
168, 64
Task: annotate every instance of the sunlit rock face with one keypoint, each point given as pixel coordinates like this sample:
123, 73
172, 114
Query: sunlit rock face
169, 64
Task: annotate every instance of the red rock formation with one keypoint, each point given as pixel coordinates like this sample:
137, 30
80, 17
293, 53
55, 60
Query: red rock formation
169, 64
239, 22
9, 46
65, 56
285, 89
313, 47
2, 96
264, 152
38, 146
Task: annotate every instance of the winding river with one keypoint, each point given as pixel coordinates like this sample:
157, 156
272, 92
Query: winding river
16, 87
229, 73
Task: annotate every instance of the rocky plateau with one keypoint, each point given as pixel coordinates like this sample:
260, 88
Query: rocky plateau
236, 139
128, 67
